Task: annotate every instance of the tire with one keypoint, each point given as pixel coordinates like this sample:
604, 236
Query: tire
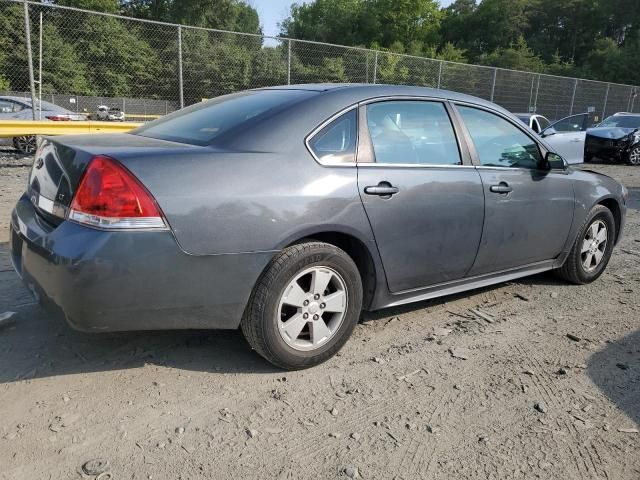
272, 301
634, 156
574, 269
25, 145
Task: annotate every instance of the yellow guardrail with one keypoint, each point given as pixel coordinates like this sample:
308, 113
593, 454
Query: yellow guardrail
133, 115
19, 128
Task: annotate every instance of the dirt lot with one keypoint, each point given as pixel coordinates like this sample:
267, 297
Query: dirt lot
527, 402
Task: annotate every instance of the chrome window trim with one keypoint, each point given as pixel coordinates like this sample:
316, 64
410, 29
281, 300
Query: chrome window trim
413, 165
319, 128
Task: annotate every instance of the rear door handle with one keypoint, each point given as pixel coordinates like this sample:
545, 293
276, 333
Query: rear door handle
383, 189
502, 188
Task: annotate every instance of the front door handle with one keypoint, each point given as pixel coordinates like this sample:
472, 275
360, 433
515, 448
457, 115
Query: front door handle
383, 189
502, 188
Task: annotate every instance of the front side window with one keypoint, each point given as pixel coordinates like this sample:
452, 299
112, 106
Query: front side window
412, 132
570, 124
498, 142
336, 143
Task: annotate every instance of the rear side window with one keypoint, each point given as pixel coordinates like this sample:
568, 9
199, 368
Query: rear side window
543, 122
412, 132
498, 142
336, 143
203, 123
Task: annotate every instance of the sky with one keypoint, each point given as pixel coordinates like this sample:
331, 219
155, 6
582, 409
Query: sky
273, 12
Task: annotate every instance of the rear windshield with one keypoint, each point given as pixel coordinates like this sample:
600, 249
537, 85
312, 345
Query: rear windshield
623, 121
203, 123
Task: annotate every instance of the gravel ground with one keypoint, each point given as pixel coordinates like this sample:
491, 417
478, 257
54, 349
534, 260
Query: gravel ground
548, 388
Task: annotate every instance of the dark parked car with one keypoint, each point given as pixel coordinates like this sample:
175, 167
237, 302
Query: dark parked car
286, 211
616, 139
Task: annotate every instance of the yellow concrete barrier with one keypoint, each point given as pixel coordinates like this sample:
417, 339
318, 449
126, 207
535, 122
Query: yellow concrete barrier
19, 128
146, 116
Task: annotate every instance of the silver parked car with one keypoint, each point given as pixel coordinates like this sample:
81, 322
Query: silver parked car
286, 211
567, 136
20, 108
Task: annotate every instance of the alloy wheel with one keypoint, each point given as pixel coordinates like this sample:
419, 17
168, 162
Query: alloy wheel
594, 246
312, 308
634, 156
25, 144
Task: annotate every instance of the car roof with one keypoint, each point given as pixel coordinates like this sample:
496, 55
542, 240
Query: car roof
363, 91
27, 101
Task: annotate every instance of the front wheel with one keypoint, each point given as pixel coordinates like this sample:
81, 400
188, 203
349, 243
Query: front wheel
304, 306
634, 156
592, 248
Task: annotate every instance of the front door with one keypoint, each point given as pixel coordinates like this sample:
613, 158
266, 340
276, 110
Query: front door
425, 207
528, 210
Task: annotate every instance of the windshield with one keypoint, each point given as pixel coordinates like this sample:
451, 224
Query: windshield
202, 123
623, 121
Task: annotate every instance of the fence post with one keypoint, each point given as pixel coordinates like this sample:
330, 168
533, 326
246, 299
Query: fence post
40, 70
535, 102
573, 96
289, 62
440, 74
375, 67
180, 80
27, 39
493, 86
606, 99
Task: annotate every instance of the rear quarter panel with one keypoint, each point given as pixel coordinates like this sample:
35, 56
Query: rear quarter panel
223, 202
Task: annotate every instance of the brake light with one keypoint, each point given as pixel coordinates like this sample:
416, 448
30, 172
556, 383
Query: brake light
59, 118
109, 196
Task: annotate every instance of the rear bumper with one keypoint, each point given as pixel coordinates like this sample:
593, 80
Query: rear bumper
117, 281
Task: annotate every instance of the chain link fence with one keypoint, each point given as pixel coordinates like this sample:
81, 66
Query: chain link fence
84, 59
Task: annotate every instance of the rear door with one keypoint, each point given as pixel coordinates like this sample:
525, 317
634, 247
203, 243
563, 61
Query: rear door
423, 198
528, 210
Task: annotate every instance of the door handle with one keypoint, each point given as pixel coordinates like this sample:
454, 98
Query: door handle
383, 189
502, 188
575, 140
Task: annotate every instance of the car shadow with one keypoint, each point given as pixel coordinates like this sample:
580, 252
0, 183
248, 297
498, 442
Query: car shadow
616, 372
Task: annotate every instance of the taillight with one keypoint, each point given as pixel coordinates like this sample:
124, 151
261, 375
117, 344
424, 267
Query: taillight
110, 197
59, 118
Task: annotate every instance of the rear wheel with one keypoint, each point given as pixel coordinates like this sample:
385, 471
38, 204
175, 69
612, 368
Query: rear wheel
634, 156
592, 248
26, 144
305, 306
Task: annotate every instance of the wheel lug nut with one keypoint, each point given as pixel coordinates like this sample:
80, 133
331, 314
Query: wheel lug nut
322, 305
305, 315
305, 303
316, 296
315, 317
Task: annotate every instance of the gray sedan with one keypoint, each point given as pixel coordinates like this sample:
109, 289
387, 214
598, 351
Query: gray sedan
20, 108
286, 211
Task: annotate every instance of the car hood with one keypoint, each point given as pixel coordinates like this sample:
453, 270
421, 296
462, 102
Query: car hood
611, 133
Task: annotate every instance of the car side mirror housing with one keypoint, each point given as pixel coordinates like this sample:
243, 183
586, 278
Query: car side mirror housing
553, 161
548, 132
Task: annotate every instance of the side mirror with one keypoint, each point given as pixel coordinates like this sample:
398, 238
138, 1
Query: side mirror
553, 161
548, 132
